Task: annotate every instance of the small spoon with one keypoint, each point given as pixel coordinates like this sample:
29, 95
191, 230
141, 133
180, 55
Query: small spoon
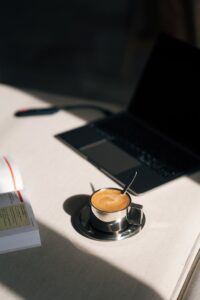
129, 184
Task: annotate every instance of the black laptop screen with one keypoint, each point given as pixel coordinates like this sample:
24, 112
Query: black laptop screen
168, 94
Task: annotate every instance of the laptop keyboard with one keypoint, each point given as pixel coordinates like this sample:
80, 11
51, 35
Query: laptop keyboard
149, 148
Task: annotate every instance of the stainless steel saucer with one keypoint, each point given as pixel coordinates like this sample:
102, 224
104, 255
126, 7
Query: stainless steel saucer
81, 222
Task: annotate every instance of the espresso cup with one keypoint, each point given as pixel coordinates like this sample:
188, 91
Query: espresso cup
113, 211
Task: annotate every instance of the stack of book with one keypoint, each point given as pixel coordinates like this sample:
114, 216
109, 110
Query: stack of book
18, 227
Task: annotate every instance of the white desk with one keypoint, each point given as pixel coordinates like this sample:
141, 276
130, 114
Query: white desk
68, 265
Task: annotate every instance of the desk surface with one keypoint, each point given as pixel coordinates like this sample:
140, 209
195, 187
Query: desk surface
69, 266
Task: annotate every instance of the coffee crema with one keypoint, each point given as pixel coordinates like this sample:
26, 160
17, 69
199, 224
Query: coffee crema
110, 200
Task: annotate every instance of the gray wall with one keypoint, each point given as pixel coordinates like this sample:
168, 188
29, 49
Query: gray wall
92, 49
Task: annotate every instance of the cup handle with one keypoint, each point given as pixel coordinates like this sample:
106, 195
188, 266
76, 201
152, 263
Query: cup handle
135, 214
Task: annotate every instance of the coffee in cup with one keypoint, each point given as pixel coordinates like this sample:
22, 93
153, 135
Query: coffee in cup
110, 200
112, 210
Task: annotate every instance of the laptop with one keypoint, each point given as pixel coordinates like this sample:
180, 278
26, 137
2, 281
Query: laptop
158, 134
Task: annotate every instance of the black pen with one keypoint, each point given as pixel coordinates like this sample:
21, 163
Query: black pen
26, 112
36, 111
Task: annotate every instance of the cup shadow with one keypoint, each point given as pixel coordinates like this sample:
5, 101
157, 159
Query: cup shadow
73, 204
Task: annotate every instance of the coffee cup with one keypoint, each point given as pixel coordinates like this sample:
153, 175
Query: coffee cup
112, 210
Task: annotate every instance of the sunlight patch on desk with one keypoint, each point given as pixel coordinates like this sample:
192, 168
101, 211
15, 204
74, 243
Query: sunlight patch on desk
5, 290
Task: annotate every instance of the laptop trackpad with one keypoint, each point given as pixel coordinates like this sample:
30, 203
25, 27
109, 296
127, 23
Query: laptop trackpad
109, 157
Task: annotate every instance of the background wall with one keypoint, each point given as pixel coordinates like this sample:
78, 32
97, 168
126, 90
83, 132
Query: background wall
92, 49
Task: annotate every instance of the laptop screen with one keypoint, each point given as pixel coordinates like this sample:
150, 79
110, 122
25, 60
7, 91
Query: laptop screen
169, 91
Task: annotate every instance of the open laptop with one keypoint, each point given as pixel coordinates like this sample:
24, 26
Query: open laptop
158, 134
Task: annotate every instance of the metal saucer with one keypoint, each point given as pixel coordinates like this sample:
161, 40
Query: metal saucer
81, 223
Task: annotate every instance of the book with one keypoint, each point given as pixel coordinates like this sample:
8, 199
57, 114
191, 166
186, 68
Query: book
18, 227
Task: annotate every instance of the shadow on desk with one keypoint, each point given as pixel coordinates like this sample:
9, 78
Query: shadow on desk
90, 115
58, 270
195, 177
87, 114
84, 114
